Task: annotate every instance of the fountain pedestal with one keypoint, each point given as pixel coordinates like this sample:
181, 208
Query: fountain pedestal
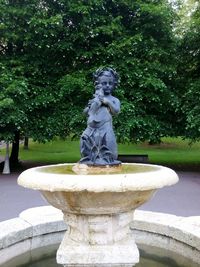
98, 209
99, 240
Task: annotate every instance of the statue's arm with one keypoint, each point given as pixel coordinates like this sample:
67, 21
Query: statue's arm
93, 105
86, 110
113, 104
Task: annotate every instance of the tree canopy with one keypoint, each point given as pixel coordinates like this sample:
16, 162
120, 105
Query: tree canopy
189, 69
136, 38
50, 48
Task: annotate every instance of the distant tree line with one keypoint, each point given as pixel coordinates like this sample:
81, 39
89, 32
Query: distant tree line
50, 48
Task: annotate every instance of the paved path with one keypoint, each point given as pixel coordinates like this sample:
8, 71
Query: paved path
182, 199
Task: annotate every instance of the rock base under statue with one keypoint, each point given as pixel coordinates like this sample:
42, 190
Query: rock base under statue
80, 168
97, 241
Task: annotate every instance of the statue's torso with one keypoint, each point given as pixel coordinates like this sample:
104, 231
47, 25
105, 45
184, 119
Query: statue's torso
98, 117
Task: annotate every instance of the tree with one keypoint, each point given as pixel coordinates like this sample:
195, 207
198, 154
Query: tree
12, 99
51, 48
136, 38
28, 70
184, 9
189, 69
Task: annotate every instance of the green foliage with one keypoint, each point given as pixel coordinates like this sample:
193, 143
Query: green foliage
189, 69
136, 38
184, 9
51, 48
13, 96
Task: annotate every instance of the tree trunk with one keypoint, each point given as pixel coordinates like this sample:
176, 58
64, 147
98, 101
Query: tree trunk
26, 142
14, 157
6, 168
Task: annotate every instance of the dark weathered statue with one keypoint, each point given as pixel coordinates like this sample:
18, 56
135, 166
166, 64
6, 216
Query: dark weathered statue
98, 142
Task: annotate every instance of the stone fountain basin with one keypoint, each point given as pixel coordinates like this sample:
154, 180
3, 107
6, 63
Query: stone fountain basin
97, 194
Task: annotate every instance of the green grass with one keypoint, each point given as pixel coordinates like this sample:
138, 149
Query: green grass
172, 151
57, 151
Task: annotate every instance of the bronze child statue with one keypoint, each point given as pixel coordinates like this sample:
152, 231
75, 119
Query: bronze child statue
98, 142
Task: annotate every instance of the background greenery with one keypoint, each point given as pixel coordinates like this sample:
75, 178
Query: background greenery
173, 152
50, 48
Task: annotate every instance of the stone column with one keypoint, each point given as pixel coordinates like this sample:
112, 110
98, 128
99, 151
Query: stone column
98, 240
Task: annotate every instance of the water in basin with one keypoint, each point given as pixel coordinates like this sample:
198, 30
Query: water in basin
126, 168
149, 257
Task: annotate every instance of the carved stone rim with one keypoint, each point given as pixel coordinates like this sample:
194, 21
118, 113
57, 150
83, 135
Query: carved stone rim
158, 177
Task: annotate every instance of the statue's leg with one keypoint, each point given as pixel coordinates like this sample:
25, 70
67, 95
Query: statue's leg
111, 140
84, 146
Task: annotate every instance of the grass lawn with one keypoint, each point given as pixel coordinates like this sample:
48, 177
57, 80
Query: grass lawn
172, 151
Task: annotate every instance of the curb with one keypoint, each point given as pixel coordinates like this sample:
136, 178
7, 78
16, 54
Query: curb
43, 226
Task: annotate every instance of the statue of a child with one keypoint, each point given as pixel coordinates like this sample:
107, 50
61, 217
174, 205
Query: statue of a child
98, 142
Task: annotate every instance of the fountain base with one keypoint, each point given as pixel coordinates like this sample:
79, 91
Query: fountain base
101, 240
99, 256
98, 209
125, 254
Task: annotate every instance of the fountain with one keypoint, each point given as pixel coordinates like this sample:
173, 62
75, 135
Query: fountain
98, 195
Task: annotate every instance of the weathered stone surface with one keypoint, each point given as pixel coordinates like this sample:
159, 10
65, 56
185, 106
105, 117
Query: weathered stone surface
14, 231
12, 251
194, 220
121, 254
98, 210
45, 219
46, 240
158, 177
102, 239
187, 233
147, 221
176, 234
178, 228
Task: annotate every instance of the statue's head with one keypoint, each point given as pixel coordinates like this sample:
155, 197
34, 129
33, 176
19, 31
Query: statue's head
107, 78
